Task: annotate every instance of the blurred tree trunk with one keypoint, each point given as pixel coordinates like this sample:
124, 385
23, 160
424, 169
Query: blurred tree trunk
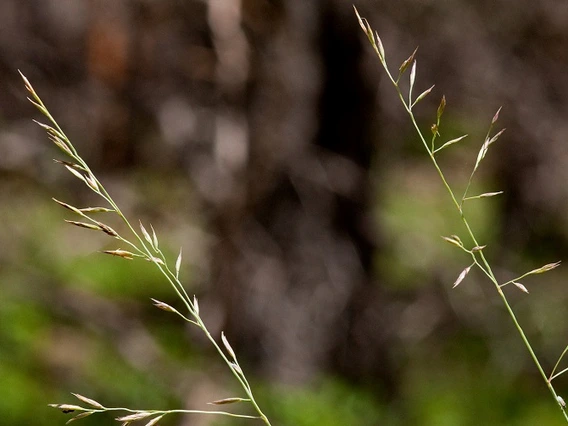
293, 221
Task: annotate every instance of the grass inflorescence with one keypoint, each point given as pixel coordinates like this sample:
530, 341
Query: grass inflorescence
142, 244
474, 250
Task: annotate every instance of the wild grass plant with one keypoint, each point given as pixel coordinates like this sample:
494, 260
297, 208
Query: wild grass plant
142, 243
474, 249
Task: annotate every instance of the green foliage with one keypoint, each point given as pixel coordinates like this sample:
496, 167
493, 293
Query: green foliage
330, 402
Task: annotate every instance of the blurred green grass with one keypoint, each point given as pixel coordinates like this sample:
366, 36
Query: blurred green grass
73, 320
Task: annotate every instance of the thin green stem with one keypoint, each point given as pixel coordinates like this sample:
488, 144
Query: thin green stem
237, 373
147, 248
154, 413
552, 375
484, 264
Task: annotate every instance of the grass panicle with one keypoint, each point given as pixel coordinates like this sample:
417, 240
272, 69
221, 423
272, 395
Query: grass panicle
476, 253
144, 245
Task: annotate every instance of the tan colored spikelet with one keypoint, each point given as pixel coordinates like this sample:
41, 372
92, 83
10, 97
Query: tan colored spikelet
80, 416
92, 183
96, 210
163, 306
88, 401
236, 367
27, 83
60, 144
195, 305
484, 195
412, 78
107, 229
134, 417
37, 105
225, 401
461, 276
68, 206
145, 234
359, 19
78, 175
520, 287
496, 116
47, 128
494, 138
545, 268
451, 142
67, 408
84, 225
69, 164
454, 240
120, 253
441, 107
407, 62
156, 260
228, 346
379, 48
178, 262
155, 420
423, 94
154, 237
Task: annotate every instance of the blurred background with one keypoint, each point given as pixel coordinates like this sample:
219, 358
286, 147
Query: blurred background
262, 137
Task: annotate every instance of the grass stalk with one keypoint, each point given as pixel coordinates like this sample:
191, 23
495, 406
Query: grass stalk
145, 246
479, 258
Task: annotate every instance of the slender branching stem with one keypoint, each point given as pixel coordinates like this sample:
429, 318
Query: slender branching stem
144, 246
478, 256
